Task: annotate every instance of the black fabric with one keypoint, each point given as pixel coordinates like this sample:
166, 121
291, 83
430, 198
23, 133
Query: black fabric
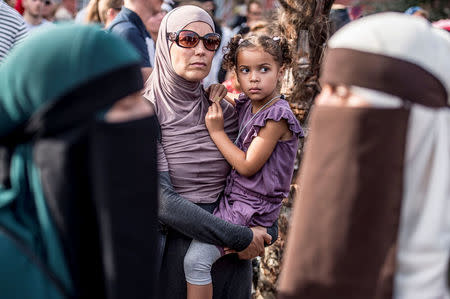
123, 165
100, 183
232, 277
243, 29
64, 172
5, 162
338, 18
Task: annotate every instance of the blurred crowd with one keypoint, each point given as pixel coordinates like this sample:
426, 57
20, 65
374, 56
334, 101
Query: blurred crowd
230, 18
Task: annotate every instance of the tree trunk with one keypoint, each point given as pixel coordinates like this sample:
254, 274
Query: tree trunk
305, 23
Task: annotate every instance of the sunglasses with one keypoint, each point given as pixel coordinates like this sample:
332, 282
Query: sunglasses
190, 39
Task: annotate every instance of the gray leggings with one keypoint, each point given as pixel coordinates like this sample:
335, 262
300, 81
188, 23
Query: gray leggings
198, 262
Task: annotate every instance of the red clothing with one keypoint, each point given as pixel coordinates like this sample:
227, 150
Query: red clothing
19, 7
229, 86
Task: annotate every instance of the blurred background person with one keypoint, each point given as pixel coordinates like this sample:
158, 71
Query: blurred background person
168, 5
19, 6
152, 25
89, 14
33, 14
442, 24
108, 10
49, 9
129, 24
13, 28
11, 3
254, 13
418, 12
102, 11
66, 10
339, 16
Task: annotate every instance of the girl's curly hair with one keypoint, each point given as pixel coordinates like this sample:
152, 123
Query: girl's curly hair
277, 46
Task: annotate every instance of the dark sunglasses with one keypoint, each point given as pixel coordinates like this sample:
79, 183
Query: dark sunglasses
190, 39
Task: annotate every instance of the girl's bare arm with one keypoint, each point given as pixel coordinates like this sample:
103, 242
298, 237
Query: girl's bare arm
259, 151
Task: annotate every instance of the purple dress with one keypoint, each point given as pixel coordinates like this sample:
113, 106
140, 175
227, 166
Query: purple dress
256, 200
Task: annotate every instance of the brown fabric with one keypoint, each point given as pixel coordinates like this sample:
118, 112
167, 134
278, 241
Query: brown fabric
343, 234
387, 74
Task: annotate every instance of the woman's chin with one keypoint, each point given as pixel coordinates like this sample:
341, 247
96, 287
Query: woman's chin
196, 76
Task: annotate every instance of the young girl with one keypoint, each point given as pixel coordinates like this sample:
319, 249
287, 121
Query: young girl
263, 154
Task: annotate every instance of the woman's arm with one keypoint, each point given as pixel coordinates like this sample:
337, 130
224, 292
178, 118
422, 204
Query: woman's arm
191, 220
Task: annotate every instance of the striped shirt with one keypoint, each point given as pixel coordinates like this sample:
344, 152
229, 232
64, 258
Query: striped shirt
12, 29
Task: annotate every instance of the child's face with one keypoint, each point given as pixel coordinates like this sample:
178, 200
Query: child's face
258, 74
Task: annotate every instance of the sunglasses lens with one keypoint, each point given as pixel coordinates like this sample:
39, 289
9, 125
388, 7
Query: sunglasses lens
188, 39
212, 42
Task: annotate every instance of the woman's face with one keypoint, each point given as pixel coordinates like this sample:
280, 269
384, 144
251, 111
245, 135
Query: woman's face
192, 64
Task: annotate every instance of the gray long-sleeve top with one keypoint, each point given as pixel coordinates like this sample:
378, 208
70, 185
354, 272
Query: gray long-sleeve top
197, 222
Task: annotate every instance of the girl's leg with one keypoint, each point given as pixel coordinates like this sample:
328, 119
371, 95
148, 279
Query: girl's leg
199, 291
197, 267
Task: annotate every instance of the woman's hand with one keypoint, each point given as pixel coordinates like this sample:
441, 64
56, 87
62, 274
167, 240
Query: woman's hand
214, 118
256, 247
216, 92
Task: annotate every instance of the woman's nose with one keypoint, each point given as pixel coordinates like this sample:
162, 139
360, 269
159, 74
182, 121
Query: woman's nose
200, 48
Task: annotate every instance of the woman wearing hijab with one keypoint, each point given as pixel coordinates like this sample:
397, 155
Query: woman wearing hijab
190, 161
78, 208
372, 216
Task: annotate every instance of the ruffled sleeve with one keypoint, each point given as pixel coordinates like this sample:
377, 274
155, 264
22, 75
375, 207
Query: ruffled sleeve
276, 113
240, 102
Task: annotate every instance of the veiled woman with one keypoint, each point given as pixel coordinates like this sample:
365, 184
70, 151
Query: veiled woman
78, 169
372, 216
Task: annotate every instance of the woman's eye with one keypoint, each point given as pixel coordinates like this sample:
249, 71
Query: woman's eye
264, 69
244, 70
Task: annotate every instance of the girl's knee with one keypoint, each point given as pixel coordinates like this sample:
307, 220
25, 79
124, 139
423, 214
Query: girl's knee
197, 269
190, 261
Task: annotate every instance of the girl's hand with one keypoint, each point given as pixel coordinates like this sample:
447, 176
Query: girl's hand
214, 118
216, 92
